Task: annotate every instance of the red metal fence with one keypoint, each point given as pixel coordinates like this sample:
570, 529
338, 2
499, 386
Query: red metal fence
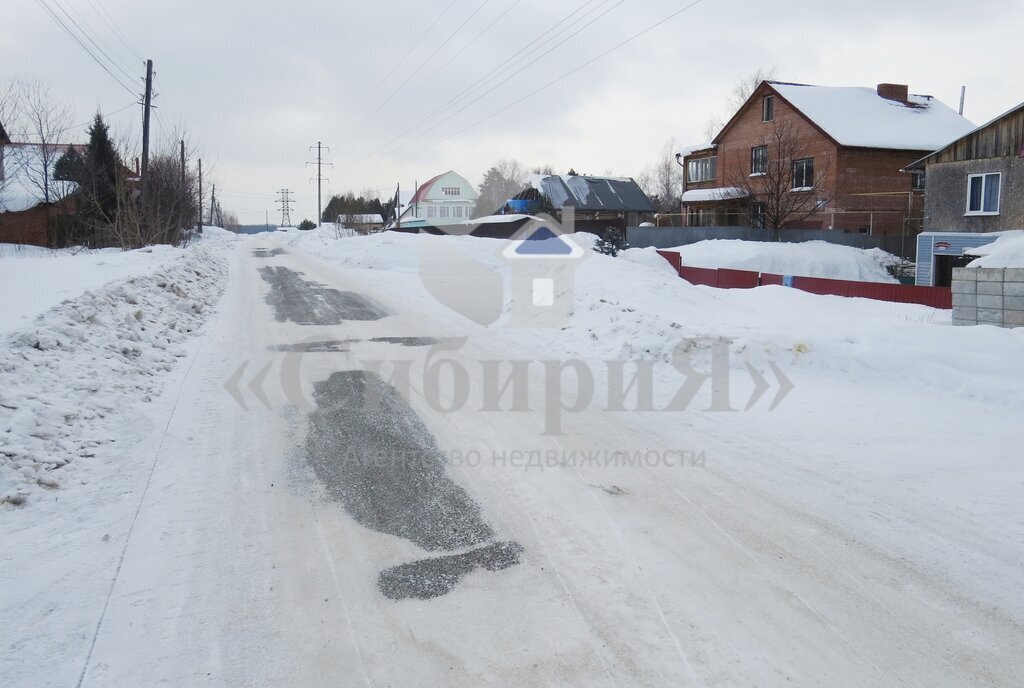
936, 297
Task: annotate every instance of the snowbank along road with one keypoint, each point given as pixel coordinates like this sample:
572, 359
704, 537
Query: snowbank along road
312, 502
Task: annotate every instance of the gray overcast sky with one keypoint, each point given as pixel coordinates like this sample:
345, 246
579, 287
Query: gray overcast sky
256, 83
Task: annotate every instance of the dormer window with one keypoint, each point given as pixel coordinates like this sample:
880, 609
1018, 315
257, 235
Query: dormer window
768, 109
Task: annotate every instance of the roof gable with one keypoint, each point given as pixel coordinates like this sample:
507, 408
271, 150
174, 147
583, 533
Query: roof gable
994, 122
431, 190
857, 117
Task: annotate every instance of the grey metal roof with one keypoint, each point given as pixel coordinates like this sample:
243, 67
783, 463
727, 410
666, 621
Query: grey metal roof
620, 194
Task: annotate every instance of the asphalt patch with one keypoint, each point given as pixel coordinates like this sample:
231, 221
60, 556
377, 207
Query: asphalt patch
304, 302
429, 578
377, 459
268, 252
342, 345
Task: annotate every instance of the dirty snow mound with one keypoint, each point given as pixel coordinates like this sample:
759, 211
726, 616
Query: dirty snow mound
64, 379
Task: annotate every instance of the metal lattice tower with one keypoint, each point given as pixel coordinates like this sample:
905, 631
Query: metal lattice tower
284, 203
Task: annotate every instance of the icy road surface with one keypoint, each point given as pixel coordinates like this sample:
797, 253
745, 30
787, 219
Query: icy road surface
307, 541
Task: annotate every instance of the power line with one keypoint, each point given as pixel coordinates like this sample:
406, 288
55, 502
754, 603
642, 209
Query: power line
440, 69
548, 85
107, 115
82, 45
102, 13
417, 70
88, 32
493, 88
396, 65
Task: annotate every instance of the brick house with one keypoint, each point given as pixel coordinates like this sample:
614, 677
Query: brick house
25, 216
849, 147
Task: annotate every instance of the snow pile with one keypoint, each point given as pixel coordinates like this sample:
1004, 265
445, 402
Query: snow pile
805, 259
64, 379
1005, 252
34, 279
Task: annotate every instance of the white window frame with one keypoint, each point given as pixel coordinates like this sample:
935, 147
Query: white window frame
806, 187
754, 172
768, 103
707, 169
984, 183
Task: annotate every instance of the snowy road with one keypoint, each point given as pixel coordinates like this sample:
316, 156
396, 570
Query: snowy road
262, 554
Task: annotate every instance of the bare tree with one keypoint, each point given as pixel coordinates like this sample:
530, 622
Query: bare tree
744, 87
662, 180
44, 129
10, 112
784, 186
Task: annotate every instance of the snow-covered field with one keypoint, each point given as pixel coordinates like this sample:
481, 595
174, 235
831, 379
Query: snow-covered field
868, 531
807, 259
34, 279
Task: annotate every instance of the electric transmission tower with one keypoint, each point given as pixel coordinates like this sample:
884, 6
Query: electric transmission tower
320, 148
284, 203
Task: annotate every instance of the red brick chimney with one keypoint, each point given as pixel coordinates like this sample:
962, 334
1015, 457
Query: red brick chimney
897, 92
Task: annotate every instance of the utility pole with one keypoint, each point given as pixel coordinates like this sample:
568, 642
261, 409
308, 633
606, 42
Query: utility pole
319, 178
398, 206
285, 203
199, 222
148, 102
213, 203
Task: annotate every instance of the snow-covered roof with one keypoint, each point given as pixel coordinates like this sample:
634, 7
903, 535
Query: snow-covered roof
693, 148
363, 218
857, 116
501, 219
1006, 251
620, 194
21, 185
722, 193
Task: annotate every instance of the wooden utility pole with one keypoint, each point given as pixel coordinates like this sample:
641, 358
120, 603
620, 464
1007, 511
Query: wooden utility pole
148, 102
199, 222
213, 203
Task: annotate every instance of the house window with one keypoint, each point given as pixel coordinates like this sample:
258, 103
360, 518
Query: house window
701, 169
451, 191
431, 211
803, 174
442, 211
757, 220
768, 109
759, 160
983, 194
457, 211
917, 180
707, 217
692, 217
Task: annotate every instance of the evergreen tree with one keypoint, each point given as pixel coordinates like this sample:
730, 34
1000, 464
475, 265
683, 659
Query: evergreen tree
611, 242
